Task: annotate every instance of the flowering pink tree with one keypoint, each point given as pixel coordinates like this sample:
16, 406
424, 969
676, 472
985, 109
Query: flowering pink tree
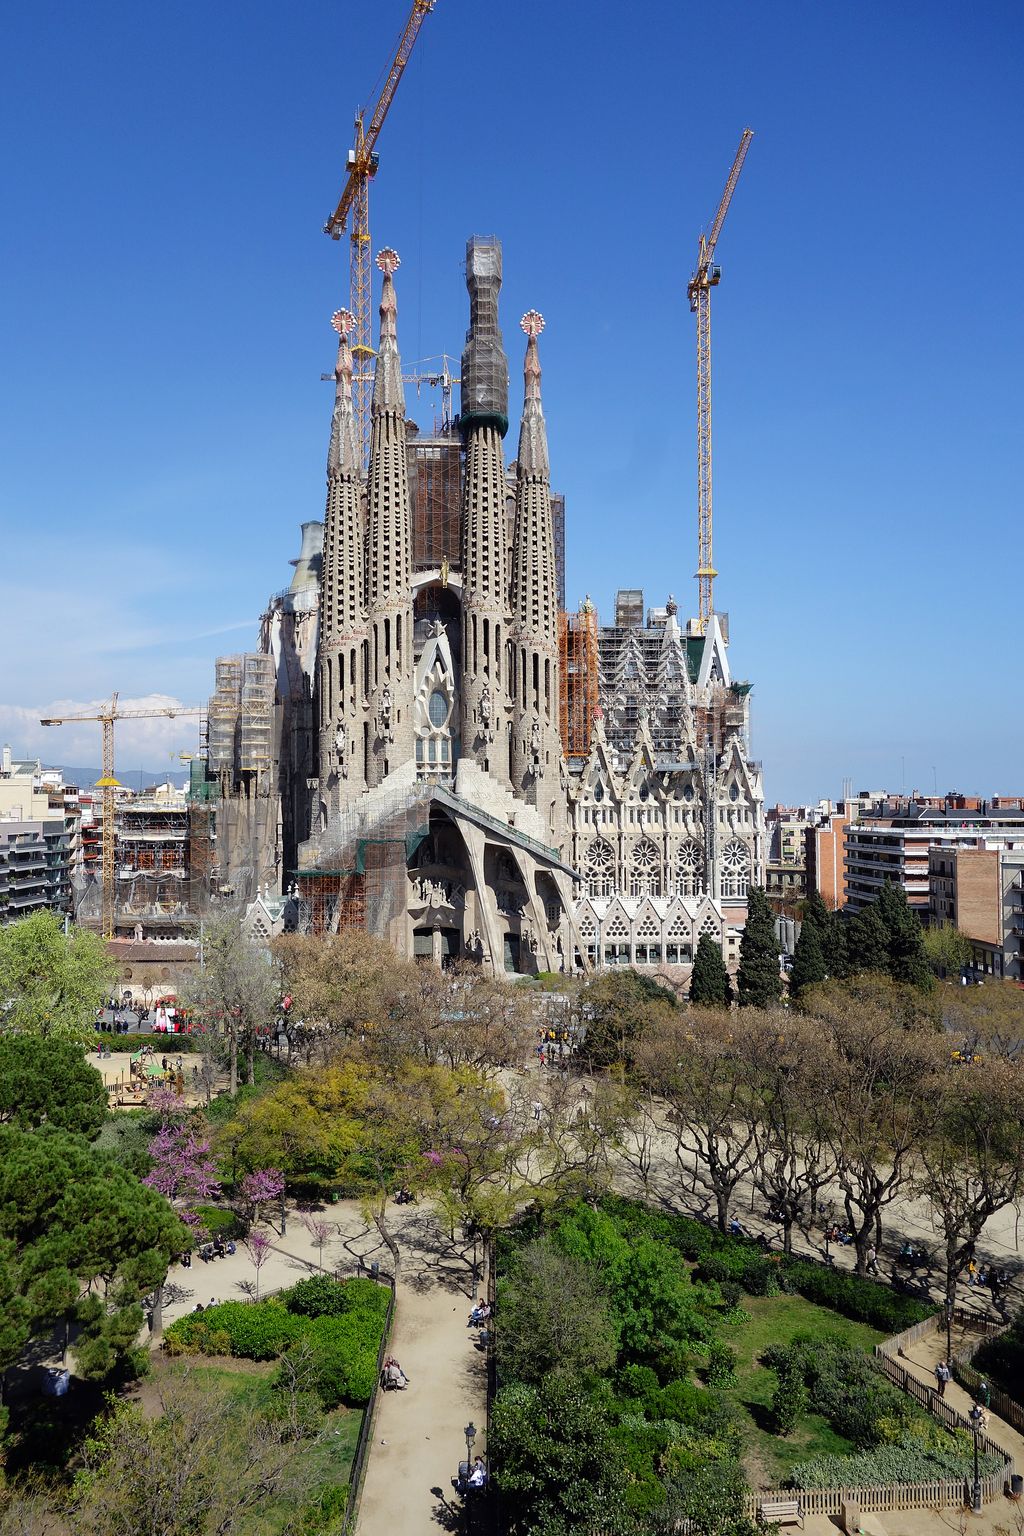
260, 1187
259, 1246
184, 1170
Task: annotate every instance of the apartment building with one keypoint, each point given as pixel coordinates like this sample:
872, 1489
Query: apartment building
894, 844
980, 890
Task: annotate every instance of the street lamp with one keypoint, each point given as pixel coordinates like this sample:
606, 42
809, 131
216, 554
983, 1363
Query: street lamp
470, 1434
975, 1418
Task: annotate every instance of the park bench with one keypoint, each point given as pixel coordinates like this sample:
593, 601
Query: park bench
782, 1511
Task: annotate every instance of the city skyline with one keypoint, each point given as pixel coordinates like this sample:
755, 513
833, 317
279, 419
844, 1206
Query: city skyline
167, 427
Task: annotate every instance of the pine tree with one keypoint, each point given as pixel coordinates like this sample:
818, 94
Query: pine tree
710, 986
831, 935
867, 942
760, 984
809, 965
908, 960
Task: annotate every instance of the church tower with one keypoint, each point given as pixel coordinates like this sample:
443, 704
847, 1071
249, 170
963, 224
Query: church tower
485, 631
341, 708
536, 747
389, 728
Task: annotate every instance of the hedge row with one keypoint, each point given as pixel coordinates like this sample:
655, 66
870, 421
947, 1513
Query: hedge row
891, 1464
339, 1322
741, 1261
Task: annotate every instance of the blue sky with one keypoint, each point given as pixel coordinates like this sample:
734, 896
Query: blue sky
167, 291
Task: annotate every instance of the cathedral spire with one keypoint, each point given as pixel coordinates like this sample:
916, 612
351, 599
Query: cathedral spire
387, 379
343, 454
533, 437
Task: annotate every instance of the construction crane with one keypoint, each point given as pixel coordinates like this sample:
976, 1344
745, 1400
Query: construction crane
355, 200
108, 783
438, 378
698, 291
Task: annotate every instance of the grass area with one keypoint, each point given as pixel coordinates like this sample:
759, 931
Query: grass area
777, 1320
247, 1383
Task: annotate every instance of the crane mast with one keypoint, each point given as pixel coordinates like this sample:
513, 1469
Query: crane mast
698, 291
108, 783
355, 203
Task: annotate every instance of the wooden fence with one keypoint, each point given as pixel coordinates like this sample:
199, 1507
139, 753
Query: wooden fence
970, 1379
355, 1481
944, 1493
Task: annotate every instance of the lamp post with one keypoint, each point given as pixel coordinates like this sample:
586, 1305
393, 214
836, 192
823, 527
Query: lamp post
949, 1329
470, 1434
975, 1418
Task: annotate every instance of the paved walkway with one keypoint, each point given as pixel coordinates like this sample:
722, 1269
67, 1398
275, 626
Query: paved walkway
418, 1434
922, 1358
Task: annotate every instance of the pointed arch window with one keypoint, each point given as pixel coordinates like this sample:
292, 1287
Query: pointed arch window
645, 869
735, 868
599, 868
690, 869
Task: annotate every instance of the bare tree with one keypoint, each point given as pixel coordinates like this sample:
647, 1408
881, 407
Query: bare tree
699, 1067
237, 992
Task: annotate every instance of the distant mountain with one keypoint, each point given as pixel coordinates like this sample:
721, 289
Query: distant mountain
132, 778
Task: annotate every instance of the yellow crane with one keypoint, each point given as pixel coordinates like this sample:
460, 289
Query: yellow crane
698, 291
355, 200
108, 783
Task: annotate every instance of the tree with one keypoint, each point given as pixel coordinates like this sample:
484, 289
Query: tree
618, 1006
258, 1246
972, 1163
759, 984
556, 1462
808, 961
183, 1169
237, 991
555, 1317
880, 1102
207, 1465
710, 986
867, 942
80, 1238
947, 949
260, 1187
908, 961
48, 1082
704, 1078
52, 983
831, 936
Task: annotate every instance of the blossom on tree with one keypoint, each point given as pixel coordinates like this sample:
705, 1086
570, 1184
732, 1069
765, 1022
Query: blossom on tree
184, 1171
262, 1186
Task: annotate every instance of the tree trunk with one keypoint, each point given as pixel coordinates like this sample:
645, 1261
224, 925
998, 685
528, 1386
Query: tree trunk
722, 1204
389, 1242
250, 1059
233, 1039
787, 1233
158, 1310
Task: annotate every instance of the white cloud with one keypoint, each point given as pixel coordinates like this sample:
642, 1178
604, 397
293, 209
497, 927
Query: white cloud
137, 743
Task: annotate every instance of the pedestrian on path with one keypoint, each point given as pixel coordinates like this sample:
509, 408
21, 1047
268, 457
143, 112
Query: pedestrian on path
942, 1376
872, 1260
984, 1393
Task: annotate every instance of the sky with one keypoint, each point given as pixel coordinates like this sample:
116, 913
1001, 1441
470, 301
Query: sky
167, 291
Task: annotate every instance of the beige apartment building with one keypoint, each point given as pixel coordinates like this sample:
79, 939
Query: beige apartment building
980, 890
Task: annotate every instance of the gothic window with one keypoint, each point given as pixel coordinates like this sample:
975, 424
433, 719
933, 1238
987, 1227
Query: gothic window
735, 868
599, 791
437, 708
688, 792
599, 868
734, 791
645, 870
649, 927
709, 929
690, 869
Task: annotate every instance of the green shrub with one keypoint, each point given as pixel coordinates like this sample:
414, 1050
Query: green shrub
789, 1400
219, 1222
890, 1464
685, 1402
641, 1383
721, 1367
255, 1330
345, 1358
320, 1296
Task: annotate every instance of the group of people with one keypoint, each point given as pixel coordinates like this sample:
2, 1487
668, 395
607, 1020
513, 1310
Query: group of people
217, 1249
480, 1314
470, 1479
392, 1377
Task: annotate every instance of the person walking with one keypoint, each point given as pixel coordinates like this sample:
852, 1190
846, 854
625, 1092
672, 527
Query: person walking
872, 1265
942, 1375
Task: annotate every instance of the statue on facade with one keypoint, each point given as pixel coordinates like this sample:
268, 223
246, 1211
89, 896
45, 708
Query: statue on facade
386, 727
341, 748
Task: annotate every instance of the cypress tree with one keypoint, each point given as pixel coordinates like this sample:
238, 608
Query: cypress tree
809, 965
710, 986
831, 936
760, 984
908, 960
867, 942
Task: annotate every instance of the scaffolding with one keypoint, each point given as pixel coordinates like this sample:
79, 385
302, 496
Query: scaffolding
223, 715
255, 744
578, 658
435, 488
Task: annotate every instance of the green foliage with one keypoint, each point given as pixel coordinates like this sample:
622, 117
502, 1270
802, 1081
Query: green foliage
720, 1370
47, 1081
126, 1136
947, 949
867, 942
830, 932
556, 1461
808, 961
847, 1390
789, 1400
344, 1357
618, 1006
710, 986
218, 1222
555, 1316
892, 1464
320, 1296
255, 1330
1002, 1359
908, 961
70, 1215
758, 978
52, 983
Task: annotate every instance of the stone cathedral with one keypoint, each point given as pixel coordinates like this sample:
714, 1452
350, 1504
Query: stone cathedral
454, 769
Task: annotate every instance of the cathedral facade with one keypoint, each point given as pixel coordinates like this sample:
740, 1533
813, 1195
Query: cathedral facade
436, 799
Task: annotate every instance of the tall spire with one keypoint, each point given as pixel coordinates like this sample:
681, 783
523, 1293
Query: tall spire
387, 379
536, 747
389, 560
533, 437
343, 454
340, 701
